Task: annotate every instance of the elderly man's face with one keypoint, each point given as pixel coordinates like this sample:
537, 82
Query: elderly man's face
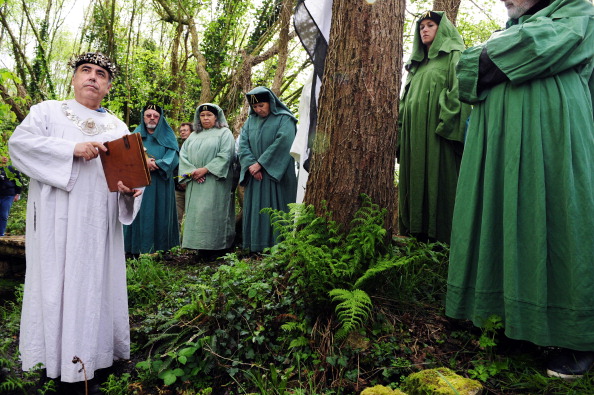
517, 8
151, 119
91, 83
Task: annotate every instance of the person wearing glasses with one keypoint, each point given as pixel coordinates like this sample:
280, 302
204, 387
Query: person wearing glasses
156, 227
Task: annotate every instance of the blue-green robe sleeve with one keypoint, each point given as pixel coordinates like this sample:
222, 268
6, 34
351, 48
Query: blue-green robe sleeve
167, 164
276, 157
246, 157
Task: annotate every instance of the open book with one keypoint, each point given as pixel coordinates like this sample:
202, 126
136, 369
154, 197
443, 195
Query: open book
125, 161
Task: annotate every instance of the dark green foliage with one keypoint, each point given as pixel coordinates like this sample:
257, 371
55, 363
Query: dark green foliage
219, 43
17, 217
147, 281
225, 321
257, 325
41, 85
267, 17
319, 256
12, 380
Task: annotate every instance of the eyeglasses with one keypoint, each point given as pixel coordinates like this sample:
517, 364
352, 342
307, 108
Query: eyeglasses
152, 116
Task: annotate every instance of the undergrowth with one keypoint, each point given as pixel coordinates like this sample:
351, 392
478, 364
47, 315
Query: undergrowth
326, 311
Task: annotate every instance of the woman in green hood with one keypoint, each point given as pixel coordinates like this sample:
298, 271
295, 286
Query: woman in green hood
267, 168
431, 131
205, 166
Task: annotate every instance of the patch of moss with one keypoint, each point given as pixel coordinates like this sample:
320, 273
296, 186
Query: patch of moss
440, 381
381, 390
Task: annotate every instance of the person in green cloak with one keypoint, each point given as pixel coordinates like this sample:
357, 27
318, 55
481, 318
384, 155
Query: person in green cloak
267, 168
523, 232
155, 227
431, 131
205, 166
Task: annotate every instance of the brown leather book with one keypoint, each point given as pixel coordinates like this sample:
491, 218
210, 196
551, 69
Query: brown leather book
125, 160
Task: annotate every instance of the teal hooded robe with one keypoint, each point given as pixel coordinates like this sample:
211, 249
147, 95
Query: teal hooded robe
210, 205
431, 133
155, 227
266, 141
523, 233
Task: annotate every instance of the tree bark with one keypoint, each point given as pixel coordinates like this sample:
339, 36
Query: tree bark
450, 7
355, 146
203, 75
20, 113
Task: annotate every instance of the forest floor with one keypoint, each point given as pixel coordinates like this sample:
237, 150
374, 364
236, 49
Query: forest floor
503, 367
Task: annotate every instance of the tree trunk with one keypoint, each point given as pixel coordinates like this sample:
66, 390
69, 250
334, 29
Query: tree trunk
449, 6
355, 145
283, 41
177, 81
20, 113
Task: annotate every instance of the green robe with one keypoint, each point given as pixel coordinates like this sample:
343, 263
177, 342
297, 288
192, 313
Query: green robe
266, 141
523, 233
155, 228
431, 132
210, 206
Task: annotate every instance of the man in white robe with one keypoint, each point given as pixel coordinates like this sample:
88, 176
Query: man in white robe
75, 299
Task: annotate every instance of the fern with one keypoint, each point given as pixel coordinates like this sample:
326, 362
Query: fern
353, 309
386, 263
320, 257
10, 384
367, 237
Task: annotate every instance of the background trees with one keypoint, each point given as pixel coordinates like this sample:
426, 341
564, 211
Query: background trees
180, 53
177, 53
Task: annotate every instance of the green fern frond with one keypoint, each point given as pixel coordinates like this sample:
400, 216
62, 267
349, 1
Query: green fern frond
353, 309
383, 264
12, 384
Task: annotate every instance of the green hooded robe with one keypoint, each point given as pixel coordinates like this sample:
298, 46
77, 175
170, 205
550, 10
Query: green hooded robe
210, 205
431, 132
266, 141
523, 233
155, 228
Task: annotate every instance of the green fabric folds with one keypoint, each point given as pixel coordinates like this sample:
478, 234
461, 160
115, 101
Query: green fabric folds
268, 142
523, 233
210, 205
155, 228
431, 133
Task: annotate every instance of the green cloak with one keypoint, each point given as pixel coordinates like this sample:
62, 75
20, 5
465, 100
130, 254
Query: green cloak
431, 132
155, 227
523, 233
268, 142
210, 205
